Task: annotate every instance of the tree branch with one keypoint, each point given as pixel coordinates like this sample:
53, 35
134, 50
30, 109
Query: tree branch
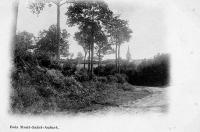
54, 2
67, 1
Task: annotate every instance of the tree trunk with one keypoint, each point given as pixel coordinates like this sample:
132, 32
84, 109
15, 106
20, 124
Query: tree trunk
119, 59
89, 58
92, 52
92, 58
116, 59
99, 58
84, 59
58, 31
15, 10
99, 61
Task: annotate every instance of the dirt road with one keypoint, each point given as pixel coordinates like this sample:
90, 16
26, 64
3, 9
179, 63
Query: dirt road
155, 102
135, 100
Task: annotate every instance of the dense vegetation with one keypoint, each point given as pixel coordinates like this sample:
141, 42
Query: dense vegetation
41, 84
44, 82
150, 72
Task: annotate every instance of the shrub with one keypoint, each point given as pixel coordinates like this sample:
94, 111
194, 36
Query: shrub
105, 70
152, 72
55, 77
81, 75
68, 68
111, 78
43, 59
102, 79
121, 78
23, 97
73, 86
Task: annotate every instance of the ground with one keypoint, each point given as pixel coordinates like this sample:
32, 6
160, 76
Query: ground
155, 102
138, 100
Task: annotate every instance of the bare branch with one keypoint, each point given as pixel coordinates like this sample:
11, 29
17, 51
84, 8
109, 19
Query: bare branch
67, 1
54, 2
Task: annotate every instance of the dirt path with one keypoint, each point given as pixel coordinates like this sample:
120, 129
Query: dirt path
155, 102
136, 99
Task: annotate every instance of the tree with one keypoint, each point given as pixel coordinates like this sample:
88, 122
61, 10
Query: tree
79, 57
38, 5
91, 17
15, 11
119, 33
47, 42
102, 46
82, 39
23, 42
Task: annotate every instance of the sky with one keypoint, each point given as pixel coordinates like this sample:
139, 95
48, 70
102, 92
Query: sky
147, 21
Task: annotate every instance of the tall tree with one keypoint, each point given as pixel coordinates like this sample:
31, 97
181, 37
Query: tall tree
38, 5
102, 46
91, 17
119, 33
82, 39
47, 40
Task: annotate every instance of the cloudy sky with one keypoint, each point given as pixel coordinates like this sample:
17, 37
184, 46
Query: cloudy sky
147, 20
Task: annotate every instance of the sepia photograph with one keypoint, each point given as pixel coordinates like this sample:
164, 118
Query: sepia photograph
88, 56
100, 65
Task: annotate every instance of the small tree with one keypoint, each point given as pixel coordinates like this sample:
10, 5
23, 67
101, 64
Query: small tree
23, 42
82, 39
102, 46
47, 42
38, 5
119, 33
92, 17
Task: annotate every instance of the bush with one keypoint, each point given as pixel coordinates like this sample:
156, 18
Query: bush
102, 79
43, 59
68, 68
121, 78
81, 75
153, 72
55, 77
111, 78
24, 97
105, 70
73, 86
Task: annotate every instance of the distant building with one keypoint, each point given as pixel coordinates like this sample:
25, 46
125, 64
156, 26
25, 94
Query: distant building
128, 55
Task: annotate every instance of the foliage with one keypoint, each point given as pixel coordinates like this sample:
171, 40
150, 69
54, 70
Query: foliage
37, 6
91, 18
102, 46
83, 39
119, 33
81, 75
121, 78
108, 69
48, 42
112, 78
154, 72
69, 68
101, 79
23, 42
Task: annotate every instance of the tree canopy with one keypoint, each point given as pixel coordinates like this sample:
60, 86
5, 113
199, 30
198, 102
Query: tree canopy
23, 41
47, 41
